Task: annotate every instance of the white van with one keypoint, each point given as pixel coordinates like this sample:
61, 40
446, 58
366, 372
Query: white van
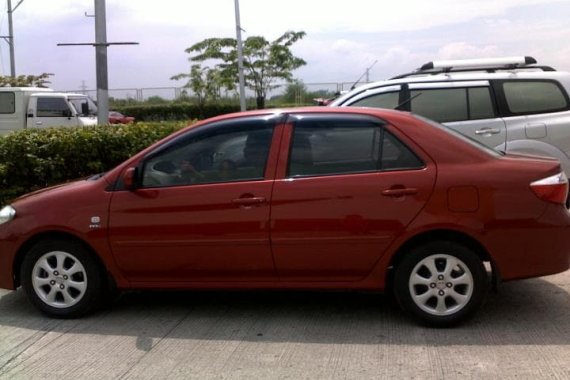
34, 107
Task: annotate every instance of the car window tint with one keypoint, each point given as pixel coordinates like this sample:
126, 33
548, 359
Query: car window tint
441, 105
534, 96
395, 155
216, 155
325, 147
52, 107
480, 103
384, 100
7, 102
328, 147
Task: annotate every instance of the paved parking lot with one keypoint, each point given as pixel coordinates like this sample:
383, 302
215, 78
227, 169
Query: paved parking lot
522, 332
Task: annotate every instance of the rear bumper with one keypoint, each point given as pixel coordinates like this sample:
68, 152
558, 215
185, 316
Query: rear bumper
524, 249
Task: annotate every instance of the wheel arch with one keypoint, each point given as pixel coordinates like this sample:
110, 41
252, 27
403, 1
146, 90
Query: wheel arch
52, 235
442, 235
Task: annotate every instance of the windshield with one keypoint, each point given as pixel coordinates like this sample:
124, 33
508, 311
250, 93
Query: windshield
82, 104
467, 139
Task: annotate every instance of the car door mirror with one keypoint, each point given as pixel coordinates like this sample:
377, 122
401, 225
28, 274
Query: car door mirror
130, 179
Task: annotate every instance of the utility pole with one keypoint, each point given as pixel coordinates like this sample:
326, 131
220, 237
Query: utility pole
101, 62
101, 45
10, 37
240, 59
83, 88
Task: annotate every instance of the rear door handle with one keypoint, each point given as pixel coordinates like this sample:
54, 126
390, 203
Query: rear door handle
487, 131
249, 201
399, 192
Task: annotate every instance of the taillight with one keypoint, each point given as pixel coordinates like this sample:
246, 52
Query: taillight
552, 189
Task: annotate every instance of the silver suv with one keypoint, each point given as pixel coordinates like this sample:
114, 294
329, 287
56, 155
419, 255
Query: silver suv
510, 104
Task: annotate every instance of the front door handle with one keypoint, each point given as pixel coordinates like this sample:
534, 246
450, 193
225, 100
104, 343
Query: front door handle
487, 131
39, 123
249, 201
399, 191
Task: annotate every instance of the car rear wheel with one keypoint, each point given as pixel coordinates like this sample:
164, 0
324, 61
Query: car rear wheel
62, 279
441, 283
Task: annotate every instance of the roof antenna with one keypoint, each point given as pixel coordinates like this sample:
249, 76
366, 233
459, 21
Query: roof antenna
366, 72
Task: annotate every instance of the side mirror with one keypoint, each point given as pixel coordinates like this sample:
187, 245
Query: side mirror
85, 109
129, 179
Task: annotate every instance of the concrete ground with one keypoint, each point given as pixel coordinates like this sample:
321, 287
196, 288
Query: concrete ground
521, 332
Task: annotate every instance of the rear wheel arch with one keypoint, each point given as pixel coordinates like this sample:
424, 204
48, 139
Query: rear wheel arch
440, 235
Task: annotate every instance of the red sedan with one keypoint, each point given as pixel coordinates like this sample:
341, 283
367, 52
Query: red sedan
119, 118
303, 198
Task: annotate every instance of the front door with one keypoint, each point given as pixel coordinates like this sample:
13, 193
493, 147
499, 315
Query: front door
50, 111
202, 210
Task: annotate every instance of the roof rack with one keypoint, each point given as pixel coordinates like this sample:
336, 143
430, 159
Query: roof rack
489, 65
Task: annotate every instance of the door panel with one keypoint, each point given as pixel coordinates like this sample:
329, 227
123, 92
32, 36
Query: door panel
491, 132
335, 228
334, 211
192, 233
202, 212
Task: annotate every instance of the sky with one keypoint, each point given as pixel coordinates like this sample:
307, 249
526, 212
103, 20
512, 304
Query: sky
343, 37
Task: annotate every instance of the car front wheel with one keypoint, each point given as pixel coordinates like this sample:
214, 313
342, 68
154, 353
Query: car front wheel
441, 283
62, 278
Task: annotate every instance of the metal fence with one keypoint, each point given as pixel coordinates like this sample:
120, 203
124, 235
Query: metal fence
172, 93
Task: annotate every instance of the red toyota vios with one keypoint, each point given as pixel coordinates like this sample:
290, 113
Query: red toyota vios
302, 198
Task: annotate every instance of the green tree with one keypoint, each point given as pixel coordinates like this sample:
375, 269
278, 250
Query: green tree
295, 92
264, 61
41, 80
205, 82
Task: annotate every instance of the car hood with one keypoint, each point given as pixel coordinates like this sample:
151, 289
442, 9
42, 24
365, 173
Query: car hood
61, 188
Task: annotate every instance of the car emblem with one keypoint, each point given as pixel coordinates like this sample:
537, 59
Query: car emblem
95, 222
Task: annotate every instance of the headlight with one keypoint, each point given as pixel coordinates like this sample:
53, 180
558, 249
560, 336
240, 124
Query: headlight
7, 214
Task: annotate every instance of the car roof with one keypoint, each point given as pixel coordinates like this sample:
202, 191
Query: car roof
377, 112
457, 76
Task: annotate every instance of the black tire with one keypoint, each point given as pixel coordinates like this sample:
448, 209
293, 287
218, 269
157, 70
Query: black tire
75, 293
446, 297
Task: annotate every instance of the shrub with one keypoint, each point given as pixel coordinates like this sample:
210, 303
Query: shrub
176, 111
34, 158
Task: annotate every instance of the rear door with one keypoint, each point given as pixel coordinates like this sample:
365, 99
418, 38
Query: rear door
468, 107
346, 187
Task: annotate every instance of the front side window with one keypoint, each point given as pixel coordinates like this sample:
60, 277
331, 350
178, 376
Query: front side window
525, 97
218, 154
7, 102
52, 107
332, 146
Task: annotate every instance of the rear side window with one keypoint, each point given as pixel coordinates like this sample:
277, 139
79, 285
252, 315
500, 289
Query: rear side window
329, 147
534, 97
453, 104
52, 107
7, 102
385, 100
